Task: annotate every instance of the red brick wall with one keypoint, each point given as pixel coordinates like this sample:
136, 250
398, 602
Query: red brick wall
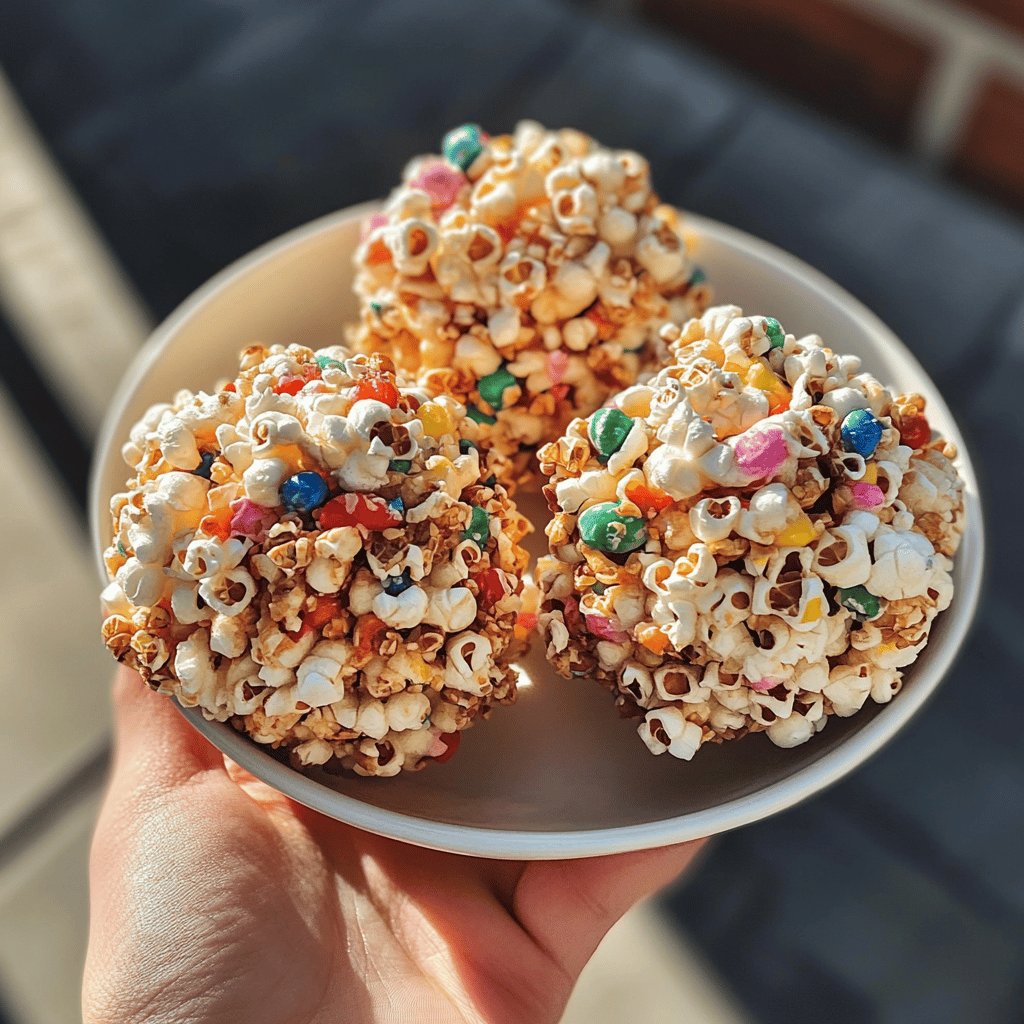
944, 79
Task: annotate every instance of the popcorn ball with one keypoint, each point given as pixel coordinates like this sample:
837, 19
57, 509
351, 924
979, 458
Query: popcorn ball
320, 555
758, 537
527, 275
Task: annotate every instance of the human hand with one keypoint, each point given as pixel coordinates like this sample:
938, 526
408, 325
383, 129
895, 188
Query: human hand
216, 899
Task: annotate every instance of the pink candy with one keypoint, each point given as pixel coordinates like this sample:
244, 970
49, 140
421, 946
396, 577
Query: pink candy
761, 453
558, 363
442, 182
762, 685
606, 629
867, 495
374, 221
249, 519
437, 746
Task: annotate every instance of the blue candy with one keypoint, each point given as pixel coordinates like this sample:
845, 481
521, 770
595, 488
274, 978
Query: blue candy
861, 432
462, 145
397, 505
395, 585
205, 465
304, 492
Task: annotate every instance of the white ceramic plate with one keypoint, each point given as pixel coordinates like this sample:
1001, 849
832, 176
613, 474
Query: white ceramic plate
558, 775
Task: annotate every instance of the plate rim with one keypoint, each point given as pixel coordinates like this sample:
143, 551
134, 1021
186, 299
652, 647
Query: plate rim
520, 844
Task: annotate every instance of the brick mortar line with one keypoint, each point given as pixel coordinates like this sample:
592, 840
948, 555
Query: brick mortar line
945, 105
970, 46
956, 27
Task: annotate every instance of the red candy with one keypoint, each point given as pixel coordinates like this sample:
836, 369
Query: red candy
377, 389
366, 510
915, 431
451, 740
289, 386
491, 587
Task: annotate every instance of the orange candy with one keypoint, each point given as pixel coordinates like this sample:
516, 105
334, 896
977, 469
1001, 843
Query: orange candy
605, 328
377, 389
217, 524
648, 499
367, 634
528, 621
653, 639
378, 253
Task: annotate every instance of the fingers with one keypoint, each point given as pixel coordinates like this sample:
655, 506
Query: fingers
155, 745
568, 906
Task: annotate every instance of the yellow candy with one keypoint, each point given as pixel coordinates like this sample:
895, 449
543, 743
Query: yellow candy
813, 610
797, 534
713, 351
436, 419
705, 349
870, 473
761, 376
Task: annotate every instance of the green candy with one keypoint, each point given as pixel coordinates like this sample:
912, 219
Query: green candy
602, 527
492, 388
462, 145
479, 417
776, 335
608, 429
400, 465
860, 601
479, 529
327, 363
